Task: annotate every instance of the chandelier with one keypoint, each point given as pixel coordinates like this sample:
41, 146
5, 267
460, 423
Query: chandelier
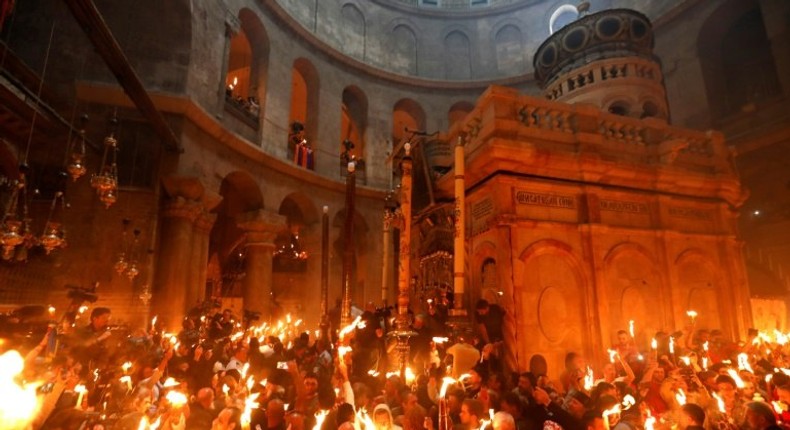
106, 181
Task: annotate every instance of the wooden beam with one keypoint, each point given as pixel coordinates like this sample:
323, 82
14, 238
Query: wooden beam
94, 26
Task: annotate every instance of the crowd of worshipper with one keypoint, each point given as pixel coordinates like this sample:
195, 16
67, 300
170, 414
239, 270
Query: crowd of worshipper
226, 371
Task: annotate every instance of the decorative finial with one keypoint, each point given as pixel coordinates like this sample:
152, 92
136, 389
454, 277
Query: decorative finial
407, 148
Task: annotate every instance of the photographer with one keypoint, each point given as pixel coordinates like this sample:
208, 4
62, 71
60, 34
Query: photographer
88, 343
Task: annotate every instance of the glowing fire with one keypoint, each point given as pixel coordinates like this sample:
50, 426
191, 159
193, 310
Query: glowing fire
631, 328
680, 396
18, 404
320, 416
446, 382
177, 399
589, 379
612, 354
720, 402
743, 362
736, 378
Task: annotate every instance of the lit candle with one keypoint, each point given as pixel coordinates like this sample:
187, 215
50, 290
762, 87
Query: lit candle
692, 314
51, 310
612, 355
631, 328
80, 390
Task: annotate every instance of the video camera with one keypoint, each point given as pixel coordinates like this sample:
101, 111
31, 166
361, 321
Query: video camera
85, 294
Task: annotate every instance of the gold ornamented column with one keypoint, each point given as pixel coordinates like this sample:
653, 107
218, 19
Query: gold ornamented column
348, 248
260, 229
459, 242
386, 244
402, 331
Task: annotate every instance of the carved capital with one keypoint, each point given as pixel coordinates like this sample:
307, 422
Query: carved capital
261, 227
180, 207
205, 221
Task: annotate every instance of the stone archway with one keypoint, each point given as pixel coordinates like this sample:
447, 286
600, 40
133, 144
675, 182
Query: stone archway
551, 304
631, 290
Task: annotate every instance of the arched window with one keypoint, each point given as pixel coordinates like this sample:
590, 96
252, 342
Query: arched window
354, 29
403, 56
354, 118
407, 114
247, 69
458, 112
304, 111
457, 63
510, 50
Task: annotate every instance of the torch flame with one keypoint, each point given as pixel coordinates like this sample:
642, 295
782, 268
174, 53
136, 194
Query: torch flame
680, 396
177, 399
720, 402
743, 362
18, 404
736, 378
320, 416
446, 382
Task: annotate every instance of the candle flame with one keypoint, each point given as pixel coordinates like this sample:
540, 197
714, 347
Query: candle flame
628, 401
650, 421
779, 407
686, 360
446, 382
692, 314
170, 382
680, 396
589, 379
320, 416
176, 398
613, 411
612, 355
705, 346
737, 378
440, 340
671, 345
654, 344
743, 362
631, 328
705, 363
126, 366
347, 329
720, 402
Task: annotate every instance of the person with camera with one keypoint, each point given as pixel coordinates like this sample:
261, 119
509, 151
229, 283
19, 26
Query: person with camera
89, 342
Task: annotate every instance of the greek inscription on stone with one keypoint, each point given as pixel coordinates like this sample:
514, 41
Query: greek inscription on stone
482, 209
551, 200
689, 213
622, 206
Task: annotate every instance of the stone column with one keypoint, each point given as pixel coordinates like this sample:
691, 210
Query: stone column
173, 265
196, 289
260, 229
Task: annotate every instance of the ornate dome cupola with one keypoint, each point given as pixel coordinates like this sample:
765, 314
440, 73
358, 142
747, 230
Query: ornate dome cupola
605, 59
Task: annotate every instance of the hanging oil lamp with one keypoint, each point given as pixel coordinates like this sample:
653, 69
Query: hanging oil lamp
11, 229
76, 167
106, 181
121, 264
133, 271
54, 235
